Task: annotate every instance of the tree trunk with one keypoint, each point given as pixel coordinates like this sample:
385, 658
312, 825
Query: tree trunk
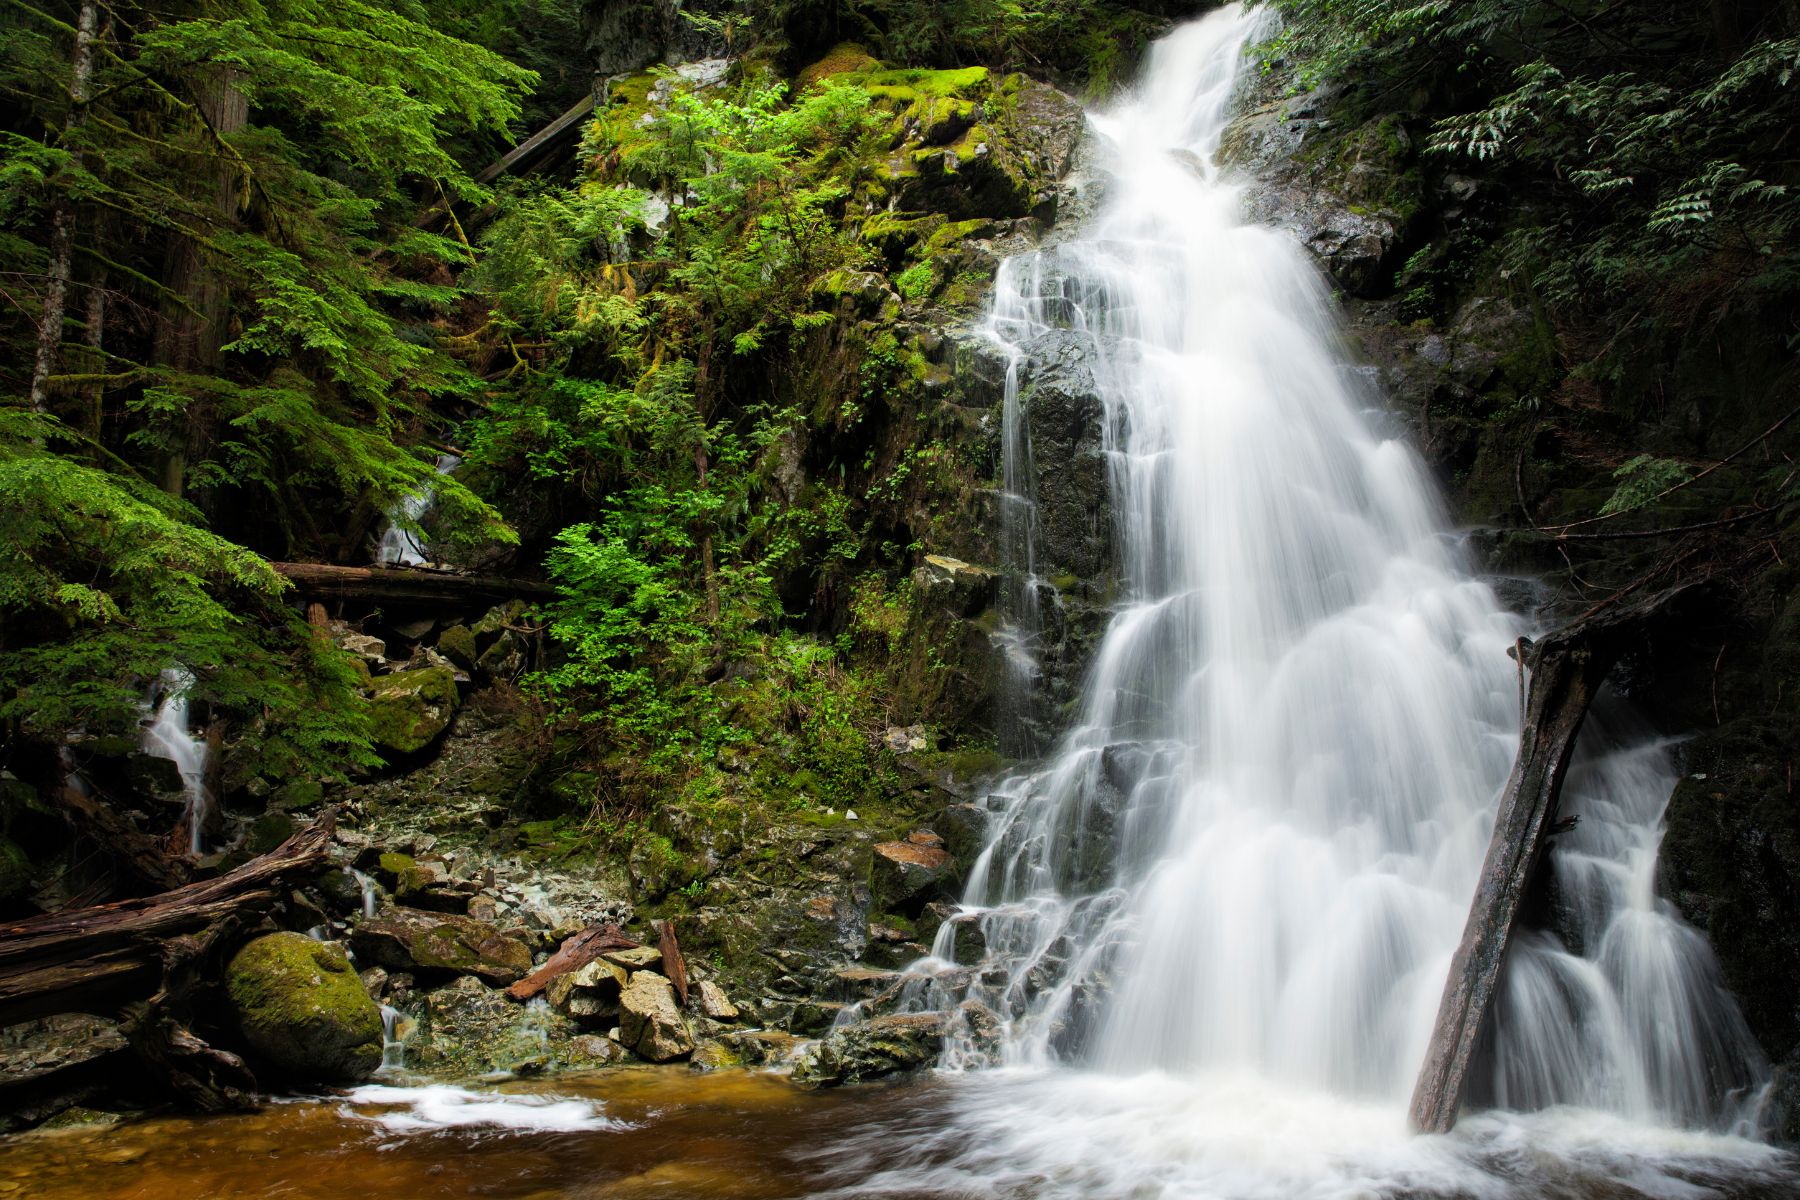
1567, 668
192, 329
62, 214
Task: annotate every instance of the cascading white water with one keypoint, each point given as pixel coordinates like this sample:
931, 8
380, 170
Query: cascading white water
1255, 851
401, 544
167, 735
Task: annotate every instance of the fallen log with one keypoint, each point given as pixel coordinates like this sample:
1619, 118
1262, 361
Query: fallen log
575, 953
107, 958
314, 580
1567, 668
540, 149
565, 128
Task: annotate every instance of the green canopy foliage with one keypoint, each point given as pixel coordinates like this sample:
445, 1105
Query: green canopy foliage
257, 324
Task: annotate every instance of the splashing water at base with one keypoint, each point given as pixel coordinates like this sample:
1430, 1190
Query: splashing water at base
1253, 855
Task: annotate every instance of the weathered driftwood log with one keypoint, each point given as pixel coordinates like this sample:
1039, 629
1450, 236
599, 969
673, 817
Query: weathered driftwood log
104, 959
674, 965
575, 953
1567, 668
406, 584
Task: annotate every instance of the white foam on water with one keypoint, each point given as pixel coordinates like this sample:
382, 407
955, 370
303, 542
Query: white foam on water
442, 1106
1066, 1135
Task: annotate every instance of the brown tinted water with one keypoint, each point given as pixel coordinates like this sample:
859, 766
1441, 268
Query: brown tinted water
672, 1134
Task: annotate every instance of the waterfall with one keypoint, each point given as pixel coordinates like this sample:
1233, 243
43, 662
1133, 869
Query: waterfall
167, 735
1016, 311
1254, 851
401, 544
370, 897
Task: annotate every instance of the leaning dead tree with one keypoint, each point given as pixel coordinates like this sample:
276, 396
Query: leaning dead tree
139, 960
1567, 668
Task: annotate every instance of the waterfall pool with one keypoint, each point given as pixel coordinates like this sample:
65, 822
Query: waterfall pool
671, 1133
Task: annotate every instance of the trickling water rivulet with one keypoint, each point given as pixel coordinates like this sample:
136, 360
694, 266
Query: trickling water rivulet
1255, 851
401, 544
167, 735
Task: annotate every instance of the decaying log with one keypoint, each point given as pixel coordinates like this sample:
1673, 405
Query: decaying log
406, 584
575, 953
1567, 668
106, 958
205, 1077
146, 857
674, 966
565, 128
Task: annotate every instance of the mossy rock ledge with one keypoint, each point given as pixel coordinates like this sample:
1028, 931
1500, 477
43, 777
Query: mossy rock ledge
302, 1009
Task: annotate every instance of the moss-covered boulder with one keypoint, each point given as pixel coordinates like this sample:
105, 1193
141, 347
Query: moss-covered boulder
457, 644
440, 944
411, 709
302, 1009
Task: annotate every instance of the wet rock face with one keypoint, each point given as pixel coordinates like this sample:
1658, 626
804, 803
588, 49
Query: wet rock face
907, 874
302, 1009
1352, 199
429, 943
1731, 862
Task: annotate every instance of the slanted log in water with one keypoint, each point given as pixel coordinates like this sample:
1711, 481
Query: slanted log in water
1567, 668
406, 584
107, 958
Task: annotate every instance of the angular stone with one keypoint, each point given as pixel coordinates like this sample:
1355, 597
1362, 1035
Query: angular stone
593, 1050
649, 1021
962, 587
457, 644
637, 958
713, 1002
440, 943
589, 992
871, 1049
904, 875
302, 1009
505, 660
371, 650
